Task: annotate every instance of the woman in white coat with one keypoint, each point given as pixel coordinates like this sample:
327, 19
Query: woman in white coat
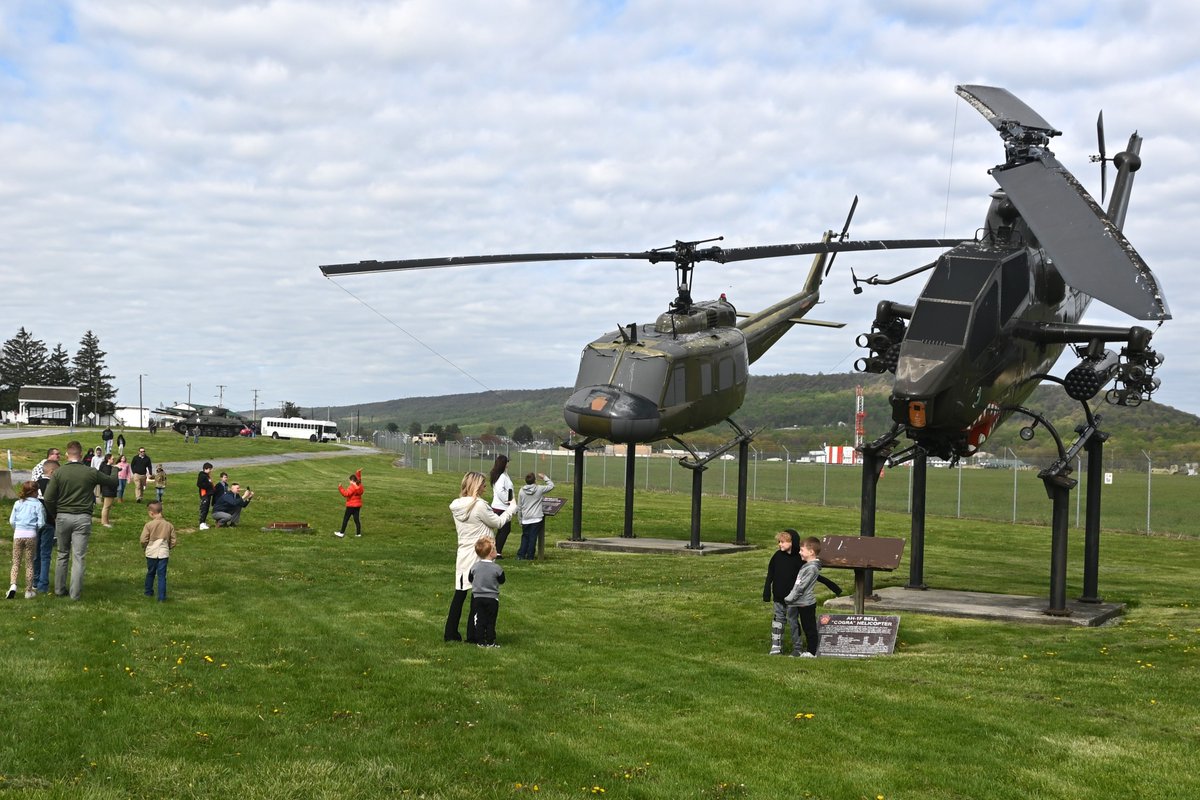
473, 517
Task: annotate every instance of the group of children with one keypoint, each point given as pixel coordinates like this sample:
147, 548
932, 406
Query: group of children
792, 575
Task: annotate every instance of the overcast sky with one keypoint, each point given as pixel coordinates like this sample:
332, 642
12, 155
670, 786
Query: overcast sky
174, 172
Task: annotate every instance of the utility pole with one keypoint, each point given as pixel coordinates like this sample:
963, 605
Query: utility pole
221, 395
256, 391
189, 394
141, 414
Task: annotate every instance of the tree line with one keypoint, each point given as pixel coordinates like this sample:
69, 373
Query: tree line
26, 361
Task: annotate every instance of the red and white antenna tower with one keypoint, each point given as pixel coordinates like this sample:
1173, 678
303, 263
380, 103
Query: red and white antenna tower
860, 416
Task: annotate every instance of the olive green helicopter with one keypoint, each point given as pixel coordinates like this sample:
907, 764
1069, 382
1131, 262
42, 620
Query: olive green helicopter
689, 369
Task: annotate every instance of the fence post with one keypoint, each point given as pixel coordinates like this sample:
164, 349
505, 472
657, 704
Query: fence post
1149, 472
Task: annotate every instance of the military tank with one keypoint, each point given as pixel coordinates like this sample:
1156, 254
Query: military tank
213, 421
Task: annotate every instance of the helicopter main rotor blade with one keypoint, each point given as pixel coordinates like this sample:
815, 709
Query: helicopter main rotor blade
718, 254
363, 267
999, 106
731, 254
1090, 251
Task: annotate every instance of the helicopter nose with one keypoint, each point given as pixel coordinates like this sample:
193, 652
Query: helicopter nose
613, 414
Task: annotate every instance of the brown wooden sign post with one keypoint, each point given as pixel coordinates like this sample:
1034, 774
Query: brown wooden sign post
861, 554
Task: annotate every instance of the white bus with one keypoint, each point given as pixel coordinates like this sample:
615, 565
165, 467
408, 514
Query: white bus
298, 428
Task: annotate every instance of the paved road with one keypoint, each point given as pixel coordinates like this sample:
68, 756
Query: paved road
193, 467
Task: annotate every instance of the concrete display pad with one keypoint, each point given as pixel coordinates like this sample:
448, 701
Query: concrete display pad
981, 605
620, 544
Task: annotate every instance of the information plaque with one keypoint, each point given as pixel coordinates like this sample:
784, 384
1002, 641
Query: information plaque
857, 635
552, 505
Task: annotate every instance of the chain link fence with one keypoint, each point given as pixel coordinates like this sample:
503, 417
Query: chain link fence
1156, 498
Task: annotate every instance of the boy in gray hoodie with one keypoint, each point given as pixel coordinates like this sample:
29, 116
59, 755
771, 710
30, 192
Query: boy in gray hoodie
533, 519
802, 595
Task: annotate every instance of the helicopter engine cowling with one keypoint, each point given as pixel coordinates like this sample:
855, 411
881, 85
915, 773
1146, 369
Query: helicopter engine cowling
610, 413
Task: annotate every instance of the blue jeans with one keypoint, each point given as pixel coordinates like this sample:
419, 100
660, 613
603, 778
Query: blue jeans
156, 566
121, 488
41, 561
529, 539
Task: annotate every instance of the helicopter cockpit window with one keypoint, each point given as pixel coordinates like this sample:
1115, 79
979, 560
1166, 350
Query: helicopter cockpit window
1014, 284
595, 367
640, 375
939, 322
985, 328
676, 393
725, 373
957, 278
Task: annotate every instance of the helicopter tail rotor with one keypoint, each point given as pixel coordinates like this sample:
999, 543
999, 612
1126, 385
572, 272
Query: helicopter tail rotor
841, 237
1102, 158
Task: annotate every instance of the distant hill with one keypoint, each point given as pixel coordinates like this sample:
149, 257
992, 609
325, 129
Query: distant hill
798, 411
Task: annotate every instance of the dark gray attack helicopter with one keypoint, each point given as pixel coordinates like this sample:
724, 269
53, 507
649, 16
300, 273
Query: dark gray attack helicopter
997, 311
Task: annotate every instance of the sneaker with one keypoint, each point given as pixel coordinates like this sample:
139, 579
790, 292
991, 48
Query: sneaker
203, 526
12, 592
775, 651
30, 594
107, 525
358, 536
806, 654
338, 534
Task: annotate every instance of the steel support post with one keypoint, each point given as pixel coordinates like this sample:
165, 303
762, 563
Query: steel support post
1061, 497
577, 495
697, 487
630, 455
1091, 530
872, 464
916, 551
743, 468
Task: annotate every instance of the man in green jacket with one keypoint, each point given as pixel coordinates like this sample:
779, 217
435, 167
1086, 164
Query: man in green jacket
69, 499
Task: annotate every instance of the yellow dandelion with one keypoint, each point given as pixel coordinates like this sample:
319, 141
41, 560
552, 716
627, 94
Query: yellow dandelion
209, 659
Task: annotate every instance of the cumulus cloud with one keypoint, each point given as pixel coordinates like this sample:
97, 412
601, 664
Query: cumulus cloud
175, 172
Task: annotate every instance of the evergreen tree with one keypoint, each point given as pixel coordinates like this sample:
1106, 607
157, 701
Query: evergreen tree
290, 410
58, 368
23, 362
451, 433
96, 392
522, 434
414, 428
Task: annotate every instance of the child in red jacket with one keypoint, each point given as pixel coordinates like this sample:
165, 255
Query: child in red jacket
353, 494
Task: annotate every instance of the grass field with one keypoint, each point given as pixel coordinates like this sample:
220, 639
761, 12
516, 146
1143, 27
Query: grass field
304, 666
